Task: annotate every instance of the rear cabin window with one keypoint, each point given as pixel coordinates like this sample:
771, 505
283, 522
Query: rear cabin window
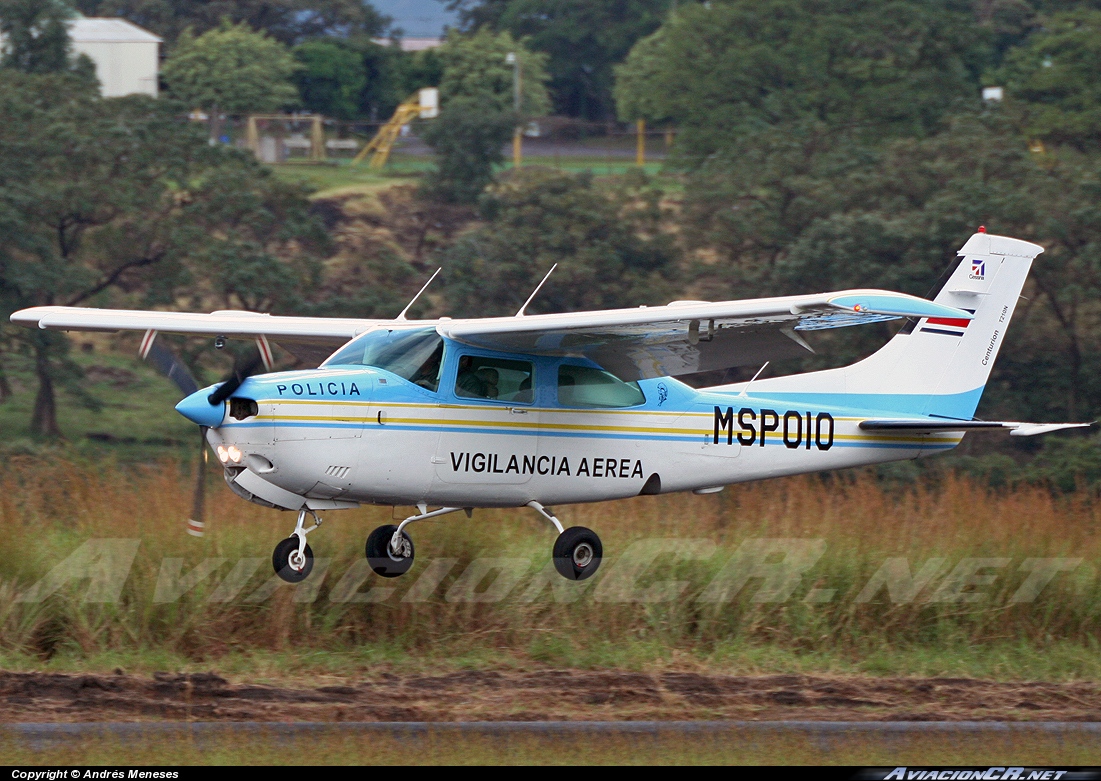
498, 379
414, 355
584, 386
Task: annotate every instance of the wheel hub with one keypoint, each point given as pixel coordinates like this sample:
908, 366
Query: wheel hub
583, 555
399, 549
296, 561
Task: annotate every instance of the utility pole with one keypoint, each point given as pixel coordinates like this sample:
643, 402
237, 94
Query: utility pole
514, 61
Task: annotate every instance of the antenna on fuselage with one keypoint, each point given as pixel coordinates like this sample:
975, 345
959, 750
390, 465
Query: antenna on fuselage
755, 376
418, 295
534, 292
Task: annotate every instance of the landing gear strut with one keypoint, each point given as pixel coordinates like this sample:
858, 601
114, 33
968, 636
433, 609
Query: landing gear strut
577, 551
292, 558
390, 548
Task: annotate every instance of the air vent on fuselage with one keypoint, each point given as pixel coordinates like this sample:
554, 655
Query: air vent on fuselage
239, 409
339, 472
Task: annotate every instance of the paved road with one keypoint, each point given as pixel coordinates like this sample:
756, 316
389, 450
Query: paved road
45, 734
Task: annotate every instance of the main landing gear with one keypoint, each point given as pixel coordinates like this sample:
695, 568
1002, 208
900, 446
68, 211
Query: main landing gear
577, 550
292, 558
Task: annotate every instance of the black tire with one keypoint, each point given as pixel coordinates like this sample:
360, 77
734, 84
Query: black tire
382, 561
577, 553
281, 561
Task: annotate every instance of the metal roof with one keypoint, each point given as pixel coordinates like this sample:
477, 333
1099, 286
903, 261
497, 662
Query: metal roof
99, 30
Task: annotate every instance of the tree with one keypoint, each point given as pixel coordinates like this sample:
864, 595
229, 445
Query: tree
468, 137
231, 69
332, 78
36, 38
475, 66
287, 21
103, 200
477, 115
583, 40
860, 68
607, 243
1052, 80
893, 217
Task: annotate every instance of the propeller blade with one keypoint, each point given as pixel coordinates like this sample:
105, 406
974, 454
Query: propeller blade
242, 370
163, 360
196, 525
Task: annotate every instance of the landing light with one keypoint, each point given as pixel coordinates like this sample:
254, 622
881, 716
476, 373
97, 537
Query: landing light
234, 454
223, 454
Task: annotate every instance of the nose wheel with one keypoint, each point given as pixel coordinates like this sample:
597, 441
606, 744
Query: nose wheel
291, 564
292, 558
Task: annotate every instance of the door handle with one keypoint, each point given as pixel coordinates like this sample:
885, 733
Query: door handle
517, 411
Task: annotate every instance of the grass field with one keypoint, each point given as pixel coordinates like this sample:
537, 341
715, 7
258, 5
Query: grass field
681, 585
340, 176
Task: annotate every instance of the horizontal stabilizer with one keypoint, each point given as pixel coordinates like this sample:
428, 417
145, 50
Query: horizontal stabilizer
918, 425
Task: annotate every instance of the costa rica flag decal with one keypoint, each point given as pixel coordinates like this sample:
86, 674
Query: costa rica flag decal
949, 326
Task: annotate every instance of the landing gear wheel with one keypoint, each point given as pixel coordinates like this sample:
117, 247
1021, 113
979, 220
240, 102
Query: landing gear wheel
577, 553
288, 564
383, 560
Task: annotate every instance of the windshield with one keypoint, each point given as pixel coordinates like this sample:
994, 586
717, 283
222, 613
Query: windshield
414, 355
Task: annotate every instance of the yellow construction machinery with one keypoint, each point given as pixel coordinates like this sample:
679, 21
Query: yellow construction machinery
423, 104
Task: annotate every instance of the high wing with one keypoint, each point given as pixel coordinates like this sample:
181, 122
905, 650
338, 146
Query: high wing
310, 338
691, 336
919, 425
680, 338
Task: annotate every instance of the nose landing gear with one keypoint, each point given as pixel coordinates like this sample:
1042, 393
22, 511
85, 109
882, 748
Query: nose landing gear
292, 558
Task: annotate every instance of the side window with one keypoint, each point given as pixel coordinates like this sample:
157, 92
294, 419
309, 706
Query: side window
583, 386
494, 378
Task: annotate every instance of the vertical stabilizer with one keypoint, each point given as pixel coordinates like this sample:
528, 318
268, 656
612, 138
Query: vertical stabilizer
942, 366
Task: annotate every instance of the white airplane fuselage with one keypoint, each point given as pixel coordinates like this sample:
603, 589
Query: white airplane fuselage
341, 434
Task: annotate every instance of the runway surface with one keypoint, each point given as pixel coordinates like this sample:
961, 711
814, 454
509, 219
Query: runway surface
865, 743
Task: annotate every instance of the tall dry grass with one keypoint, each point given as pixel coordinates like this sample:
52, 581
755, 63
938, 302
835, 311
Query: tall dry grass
48, 510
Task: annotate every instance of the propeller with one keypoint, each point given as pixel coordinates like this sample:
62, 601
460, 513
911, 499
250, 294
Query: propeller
243, 368
163, 360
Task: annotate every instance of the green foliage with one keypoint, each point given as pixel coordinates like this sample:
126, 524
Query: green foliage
582, 39
474, 67
477, 115
332, 77
1052, 80
467, 137
862, 68
36, 39
288, 21
101, 196
231, 69
606, 242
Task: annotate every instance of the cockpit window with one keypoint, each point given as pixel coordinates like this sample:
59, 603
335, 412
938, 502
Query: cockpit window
584, 386
414, 355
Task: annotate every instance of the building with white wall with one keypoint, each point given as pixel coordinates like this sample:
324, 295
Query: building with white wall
126, 56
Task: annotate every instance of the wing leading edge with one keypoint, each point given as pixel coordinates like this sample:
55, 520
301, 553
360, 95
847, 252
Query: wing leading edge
311, 339
680, 338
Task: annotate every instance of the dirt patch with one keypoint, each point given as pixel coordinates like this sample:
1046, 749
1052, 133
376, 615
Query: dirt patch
542, 695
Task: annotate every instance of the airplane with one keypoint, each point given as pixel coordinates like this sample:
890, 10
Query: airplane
543, 410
